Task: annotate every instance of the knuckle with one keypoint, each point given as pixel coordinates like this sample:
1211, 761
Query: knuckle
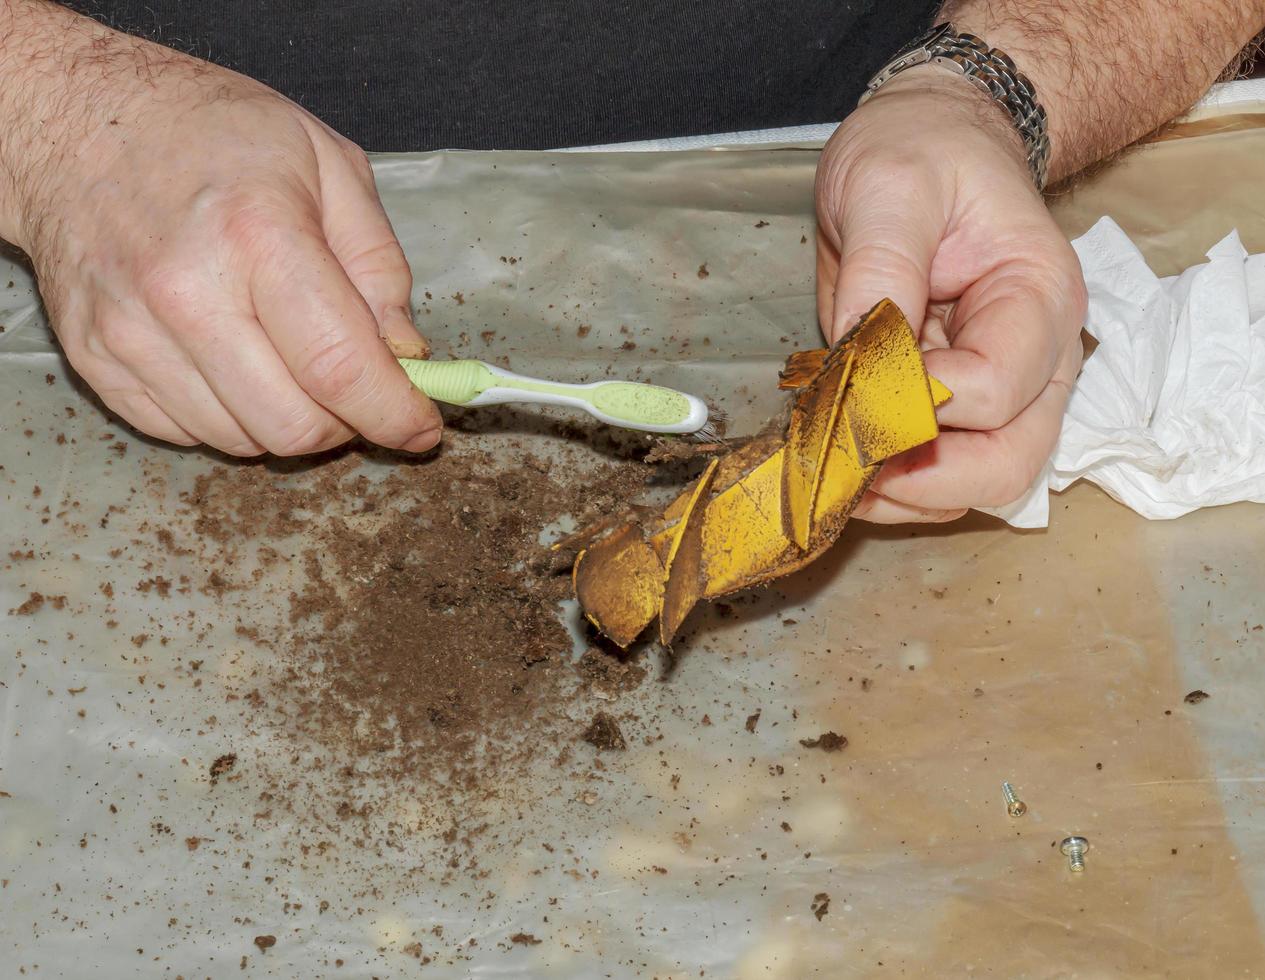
244, 448
886, 259
256, 218
1007, 491
1078, 296
1013, 481
247, 222
899, 164
358, 160
334, 372
853, 170
168, 289
892, 175
386, 259
92, 348
115, 337
1056, 281
831, 171
84, 349
994, 406
1062, 299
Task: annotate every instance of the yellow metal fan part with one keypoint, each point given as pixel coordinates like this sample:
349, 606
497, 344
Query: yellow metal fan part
775, 504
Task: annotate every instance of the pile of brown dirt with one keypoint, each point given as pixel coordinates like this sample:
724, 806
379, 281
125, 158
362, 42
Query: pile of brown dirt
425, 641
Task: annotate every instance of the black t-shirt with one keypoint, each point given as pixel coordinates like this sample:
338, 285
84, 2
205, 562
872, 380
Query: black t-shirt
426, 74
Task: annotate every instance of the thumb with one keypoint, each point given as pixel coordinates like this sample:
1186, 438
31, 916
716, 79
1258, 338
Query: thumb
886, 247
402, 337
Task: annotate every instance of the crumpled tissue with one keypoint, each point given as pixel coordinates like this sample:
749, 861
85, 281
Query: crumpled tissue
1168, 414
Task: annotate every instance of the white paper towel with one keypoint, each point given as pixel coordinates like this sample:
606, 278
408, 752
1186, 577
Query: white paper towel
1168, 414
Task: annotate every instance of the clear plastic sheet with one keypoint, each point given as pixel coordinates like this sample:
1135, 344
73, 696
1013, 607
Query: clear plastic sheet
951, 657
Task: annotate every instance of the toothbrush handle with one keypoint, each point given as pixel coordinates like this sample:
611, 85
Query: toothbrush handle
452, 382
476, 383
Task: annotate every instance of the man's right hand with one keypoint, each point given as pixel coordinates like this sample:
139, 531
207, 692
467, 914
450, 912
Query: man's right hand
214, 260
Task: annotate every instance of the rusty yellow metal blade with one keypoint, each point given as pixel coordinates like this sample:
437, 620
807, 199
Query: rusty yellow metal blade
807, 441
890, 406
683, 568
619, 584
801, 368
776, 503
804, 365
844, 480
742, 529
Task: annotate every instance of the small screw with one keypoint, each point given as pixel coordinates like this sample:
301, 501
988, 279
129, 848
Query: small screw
1075, 848
1014, 806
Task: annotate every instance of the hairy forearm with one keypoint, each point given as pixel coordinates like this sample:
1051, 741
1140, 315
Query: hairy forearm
41, 47
65, 86
1110, 71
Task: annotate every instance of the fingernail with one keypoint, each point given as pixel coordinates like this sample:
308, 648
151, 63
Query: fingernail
845, 320
431, 427
401, 334
424, 441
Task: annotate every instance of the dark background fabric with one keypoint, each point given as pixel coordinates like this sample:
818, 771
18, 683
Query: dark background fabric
485, 74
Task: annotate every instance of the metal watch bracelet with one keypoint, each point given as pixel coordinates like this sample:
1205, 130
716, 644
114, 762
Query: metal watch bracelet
990, 71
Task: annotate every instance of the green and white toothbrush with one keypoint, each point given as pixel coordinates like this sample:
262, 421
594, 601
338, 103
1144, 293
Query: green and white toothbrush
649, 408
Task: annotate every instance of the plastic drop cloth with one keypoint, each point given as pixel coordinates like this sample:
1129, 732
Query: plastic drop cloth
951, 657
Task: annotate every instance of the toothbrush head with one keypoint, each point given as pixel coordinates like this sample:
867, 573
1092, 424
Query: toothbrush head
713, 430
650, 408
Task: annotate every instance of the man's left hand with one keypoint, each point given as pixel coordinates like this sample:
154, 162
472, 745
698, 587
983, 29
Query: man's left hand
923, 196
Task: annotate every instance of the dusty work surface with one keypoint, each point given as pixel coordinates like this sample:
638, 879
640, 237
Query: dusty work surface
332, 718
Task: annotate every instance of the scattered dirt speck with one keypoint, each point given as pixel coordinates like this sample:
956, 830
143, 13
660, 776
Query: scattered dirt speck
826, 741
223, 765
603, 732
33, 604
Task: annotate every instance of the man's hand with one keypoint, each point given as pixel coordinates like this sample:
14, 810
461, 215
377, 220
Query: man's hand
214, 260
923, 196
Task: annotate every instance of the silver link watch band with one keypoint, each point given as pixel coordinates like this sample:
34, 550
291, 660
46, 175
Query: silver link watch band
990, 71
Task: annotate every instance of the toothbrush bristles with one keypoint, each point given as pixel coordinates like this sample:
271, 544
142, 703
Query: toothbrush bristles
713, 429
